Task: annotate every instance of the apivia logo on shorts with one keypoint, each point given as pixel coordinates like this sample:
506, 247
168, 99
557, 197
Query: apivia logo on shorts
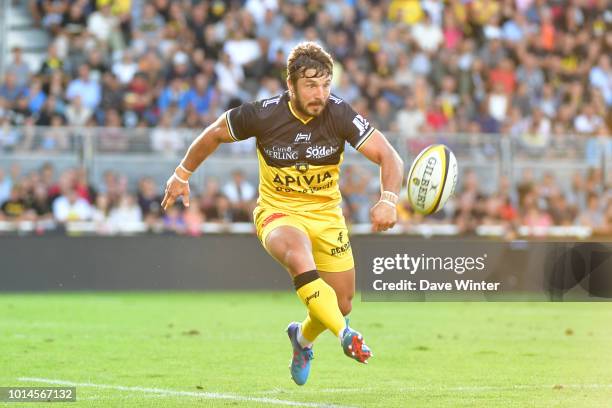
361, 124
319, 152
302, 138
281, 152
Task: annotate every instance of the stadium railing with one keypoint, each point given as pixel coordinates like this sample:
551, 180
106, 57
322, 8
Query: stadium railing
425, 230
153, 152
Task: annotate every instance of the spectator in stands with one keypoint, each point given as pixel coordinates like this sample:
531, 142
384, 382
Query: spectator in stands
588, 122
21, 111
125, 68
36, 96
6, 185
383, 115
10, 90
165, 138
38, 203
428, 36
112, 93
230, 77
598, 149
149, 200
102, 24
194, 219
202, 95
70, 207
126, 215
208, 197
410, 119
594, 215
241, 194
53, 139
177, 93
354, 187
242, 51
14, 207
536, 219
561, 211
76, 113
9, 136
19, 68
53, 62
222, 211
173, 220
138, 95
600, 76
53, 12
112, 138
74, 22
88, 90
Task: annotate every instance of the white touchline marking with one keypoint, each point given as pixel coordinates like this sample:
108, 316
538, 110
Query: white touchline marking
319, 390
517, 387
167, 393
467, 388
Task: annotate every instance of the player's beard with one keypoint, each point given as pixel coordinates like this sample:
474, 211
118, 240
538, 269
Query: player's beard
313, 109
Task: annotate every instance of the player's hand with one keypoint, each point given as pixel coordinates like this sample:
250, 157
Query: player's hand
175, 188
383, 216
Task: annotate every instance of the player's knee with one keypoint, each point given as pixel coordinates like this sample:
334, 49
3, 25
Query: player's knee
297, 260
345, 304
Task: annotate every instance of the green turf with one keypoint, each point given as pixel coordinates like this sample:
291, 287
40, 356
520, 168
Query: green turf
426, 354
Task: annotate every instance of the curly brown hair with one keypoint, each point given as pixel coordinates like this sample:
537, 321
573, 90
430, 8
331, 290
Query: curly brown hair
305, 56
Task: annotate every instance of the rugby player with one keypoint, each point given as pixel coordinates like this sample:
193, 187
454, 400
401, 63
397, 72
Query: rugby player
300, 137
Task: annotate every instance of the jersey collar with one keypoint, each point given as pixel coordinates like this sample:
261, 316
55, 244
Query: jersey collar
295, 115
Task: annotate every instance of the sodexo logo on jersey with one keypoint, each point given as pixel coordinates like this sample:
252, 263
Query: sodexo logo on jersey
319, 152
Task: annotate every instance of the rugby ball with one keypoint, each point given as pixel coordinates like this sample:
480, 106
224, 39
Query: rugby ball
432, 179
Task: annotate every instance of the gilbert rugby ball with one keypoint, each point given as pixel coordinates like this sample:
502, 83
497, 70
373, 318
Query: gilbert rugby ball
432, 179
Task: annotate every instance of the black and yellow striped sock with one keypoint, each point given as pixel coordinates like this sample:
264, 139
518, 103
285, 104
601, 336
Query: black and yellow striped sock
321, 301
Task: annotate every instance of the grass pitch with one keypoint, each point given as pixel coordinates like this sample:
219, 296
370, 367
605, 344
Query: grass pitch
230, 349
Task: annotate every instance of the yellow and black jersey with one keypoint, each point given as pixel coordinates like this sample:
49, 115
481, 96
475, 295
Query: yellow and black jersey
299, 161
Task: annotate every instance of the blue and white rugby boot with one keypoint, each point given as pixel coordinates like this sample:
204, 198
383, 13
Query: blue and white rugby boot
300, 362
354, 346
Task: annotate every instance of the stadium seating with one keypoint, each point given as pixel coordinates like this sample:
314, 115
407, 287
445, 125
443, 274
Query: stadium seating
119, 88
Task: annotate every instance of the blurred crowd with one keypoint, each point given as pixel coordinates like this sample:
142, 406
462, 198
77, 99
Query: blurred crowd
538, 72
530, 201
531, 69
112, 206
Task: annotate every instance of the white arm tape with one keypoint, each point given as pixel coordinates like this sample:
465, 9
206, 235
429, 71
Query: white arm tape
392, 204
185, 169
390, 196
176, 176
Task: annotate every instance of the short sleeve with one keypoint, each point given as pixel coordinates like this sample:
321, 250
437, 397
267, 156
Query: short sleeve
357, 130
241, 121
